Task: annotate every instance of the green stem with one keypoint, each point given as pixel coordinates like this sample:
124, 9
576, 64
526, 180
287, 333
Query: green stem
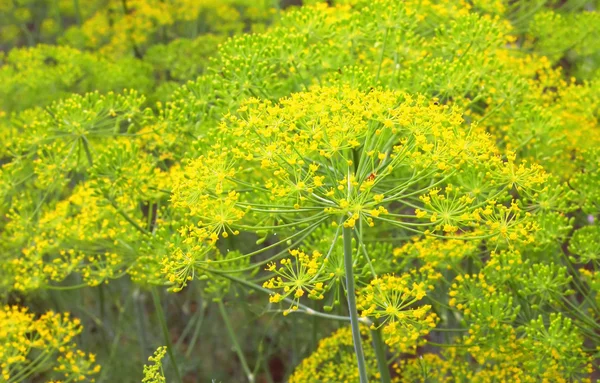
163, 324
28, 35
141, 325
102, 303
116, 342
104, 320
86, 148
192, 342
136, 51
31, 368
77, 10
379, 347
385, 38
57, 17
314, 336
236, 345
126, 217
301, 308
348, 262
267, 371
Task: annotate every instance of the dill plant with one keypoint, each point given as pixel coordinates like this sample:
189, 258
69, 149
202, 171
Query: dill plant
31, 346
354, 161
423, 171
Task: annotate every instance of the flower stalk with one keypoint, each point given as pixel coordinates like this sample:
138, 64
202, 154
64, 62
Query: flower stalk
165, 329
348, 263
379, 347
233, 338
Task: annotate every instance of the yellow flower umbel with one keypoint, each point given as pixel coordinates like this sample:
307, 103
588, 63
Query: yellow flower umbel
390, 300
333, 361
377, 162
31, 346
341, 156
153, 373
297, 278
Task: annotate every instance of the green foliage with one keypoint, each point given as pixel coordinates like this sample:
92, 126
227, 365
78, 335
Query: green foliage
426, 169
37, 76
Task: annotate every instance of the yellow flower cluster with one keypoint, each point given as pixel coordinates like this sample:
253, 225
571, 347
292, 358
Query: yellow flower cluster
297, 277
334, 152
154, 373
30, 346
514, 359
436, 253
390, 301
439, 155
334, 360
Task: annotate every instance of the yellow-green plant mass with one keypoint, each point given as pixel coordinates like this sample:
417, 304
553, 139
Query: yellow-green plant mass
304, 191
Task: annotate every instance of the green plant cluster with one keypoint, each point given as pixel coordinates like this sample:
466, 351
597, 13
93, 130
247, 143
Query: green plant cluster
387, 191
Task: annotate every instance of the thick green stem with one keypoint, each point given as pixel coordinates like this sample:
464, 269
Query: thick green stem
348, 262
233, 338
379, 347
163, 324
